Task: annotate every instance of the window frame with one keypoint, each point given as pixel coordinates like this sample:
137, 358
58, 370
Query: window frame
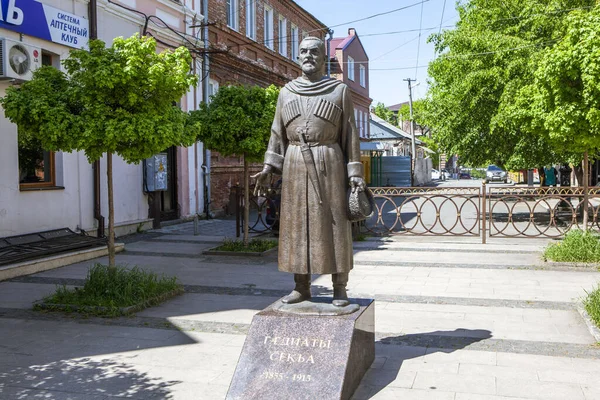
233, 17
251, 19
282, 39
42, 185
295, 42
268, 36
362, 75
350, 68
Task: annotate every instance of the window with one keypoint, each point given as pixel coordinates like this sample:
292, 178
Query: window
294, 41
363, 76
251, 19
36, 165
213, 88
350, 68
232, 14
269, 27
282, 36
360, 123
356, 117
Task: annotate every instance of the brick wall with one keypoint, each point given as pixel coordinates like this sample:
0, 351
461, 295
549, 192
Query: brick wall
235, 58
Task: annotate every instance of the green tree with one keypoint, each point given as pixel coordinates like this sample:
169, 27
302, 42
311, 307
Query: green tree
384, 113
474, 107
566, 92
237, 121
418, 112
116, 100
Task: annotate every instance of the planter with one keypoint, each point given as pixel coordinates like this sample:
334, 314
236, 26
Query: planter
98, 310
213, 252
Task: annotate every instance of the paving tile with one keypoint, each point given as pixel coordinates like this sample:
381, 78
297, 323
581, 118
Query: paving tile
461, 356
538, 390
455, 383
473, 396
496, 371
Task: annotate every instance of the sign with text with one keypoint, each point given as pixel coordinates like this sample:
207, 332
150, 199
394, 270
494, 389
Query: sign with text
33, 18
288, 356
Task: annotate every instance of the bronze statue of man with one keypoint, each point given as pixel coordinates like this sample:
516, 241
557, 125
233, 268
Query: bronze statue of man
314, 145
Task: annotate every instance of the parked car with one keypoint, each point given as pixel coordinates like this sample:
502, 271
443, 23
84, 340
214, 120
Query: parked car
464, 175
435, 174
493, 173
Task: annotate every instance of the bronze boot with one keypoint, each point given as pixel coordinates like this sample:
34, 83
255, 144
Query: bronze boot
340, 297
301, 292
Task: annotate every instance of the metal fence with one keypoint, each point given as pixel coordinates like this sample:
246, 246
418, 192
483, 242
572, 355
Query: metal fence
426, 211
540, 212
484, 211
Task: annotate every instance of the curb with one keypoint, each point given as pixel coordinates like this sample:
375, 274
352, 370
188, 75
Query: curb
211, 252
52, 262
588, 321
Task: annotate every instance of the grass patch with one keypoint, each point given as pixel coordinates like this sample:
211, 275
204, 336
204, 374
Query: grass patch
255, 245
107, 291
592, 305
577, 246
361, 237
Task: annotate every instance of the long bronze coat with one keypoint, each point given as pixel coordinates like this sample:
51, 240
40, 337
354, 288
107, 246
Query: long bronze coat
315, 238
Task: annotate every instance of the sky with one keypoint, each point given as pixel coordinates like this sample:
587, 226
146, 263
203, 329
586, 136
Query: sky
406, 50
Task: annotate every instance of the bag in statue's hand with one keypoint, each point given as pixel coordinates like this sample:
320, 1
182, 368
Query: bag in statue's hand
361, 204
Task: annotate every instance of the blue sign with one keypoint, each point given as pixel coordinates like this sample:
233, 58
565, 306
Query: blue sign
33, 18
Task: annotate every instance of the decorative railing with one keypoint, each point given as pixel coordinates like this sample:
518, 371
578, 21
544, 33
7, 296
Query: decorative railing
264, 211
425, 211
460, 211
540, 212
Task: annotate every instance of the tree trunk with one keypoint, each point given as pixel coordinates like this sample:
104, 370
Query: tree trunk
586, 172
111, 212
246, 200
578, 169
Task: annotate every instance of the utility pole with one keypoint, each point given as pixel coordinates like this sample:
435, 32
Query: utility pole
412, 130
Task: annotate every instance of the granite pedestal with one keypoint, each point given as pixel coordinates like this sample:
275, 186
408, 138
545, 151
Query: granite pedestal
305, 355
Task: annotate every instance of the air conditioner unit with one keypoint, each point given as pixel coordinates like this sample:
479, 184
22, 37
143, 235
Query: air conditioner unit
19, 60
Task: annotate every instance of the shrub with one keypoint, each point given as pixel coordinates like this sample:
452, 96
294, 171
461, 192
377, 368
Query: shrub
254, 245
577, 246
111, 288
592, 305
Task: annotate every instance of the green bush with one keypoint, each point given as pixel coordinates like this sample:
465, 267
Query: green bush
477, 174
577, 246
114, 288
592, 306
254, 245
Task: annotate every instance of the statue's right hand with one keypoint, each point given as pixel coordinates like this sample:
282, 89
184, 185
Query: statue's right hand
262, 181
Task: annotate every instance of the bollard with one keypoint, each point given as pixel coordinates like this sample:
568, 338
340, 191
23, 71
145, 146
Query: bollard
196, 225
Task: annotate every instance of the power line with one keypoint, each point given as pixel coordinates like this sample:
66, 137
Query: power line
404, 31
383, 13
419, 43
467, 55
442, 18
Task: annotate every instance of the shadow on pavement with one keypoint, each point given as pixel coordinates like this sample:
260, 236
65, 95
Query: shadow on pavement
81, 378
389, 359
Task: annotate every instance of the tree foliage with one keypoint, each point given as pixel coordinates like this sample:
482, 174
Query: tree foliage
481, 99
567, 85
238, 120
119, 99
418, 112
385, 114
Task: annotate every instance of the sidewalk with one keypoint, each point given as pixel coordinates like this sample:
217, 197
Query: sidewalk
455, 320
